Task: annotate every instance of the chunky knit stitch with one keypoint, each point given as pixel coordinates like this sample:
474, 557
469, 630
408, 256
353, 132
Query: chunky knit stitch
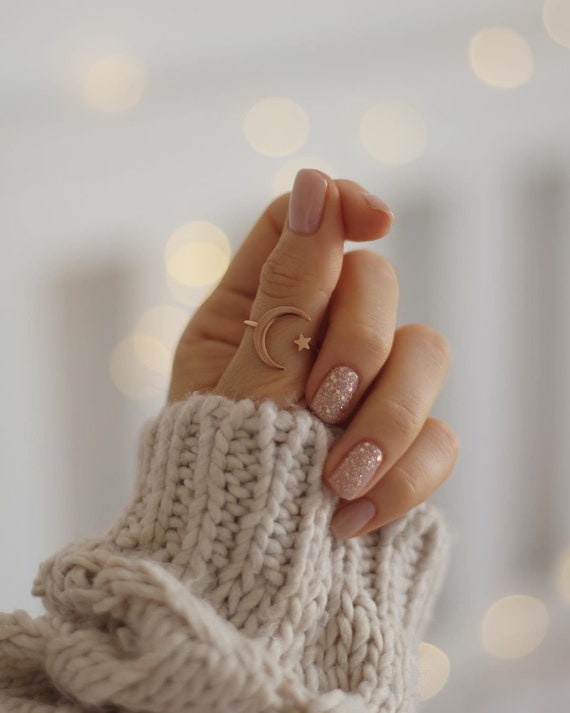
221, 589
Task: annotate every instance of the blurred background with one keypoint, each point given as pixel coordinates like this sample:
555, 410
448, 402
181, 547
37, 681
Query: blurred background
139, 143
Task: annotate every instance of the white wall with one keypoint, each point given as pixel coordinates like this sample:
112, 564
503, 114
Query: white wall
480, 244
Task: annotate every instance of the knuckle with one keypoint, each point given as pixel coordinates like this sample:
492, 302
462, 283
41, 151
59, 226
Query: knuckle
433, 343
383, 347
388, 270
446, 440
371, 338
441, 347
409, 480
419, 475
372, 264
404, 414
278, 280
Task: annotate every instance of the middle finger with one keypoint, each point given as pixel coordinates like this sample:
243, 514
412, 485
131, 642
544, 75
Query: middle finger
362, 318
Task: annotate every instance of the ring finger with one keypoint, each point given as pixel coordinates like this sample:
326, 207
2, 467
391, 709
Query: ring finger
393, 413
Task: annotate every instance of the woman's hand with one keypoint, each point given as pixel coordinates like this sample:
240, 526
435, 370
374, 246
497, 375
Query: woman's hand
379, 382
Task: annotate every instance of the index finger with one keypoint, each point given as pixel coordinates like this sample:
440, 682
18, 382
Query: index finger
297, 279
362, 222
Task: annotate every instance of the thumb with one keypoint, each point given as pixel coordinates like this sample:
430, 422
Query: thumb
296, 283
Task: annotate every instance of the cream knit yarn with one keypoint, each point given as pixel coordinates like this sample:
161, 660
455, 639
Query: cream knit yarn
221, 589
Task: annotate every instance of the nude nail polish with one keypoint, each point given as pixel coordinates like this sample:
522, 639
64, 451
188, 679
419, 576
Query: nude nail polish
332, 400
352, 518
356, 470
307, 201
377, 203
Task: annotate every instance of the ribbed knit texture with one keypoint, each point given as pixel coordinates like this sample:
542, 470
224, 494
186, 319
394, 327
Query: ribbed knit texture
221, 589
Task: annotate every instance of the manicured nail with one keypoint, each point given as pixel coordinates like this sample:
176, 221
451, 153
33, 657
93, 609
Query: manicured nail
333, 398
307, 201
352, 518
356, 470
377, 203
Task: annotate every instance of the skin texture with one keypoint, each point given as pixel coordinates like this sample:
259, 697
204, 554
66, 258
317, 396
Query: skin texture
353, 301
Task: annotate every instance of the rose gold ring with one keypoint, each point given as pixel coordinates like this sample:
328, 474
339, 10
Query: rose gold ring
262, 328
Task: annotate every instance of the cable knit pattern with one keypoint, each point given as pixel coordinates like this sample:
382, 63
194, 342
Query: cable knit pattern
221, 589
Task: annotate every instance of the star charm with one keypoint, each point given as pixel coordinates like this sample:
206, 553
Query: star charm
303, 342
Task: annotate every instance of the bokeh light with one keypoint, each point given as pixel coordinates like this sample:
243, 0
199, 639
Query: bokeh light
285, 176
514, 626
556, 18
113, 84
165, 323
433, 670
197, 254
276, 126
500, 57
393, 132
152, 353
563, 575
135, 377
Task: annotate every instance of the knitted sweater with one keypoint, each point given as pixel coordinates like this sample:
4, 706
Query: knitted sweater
221, 588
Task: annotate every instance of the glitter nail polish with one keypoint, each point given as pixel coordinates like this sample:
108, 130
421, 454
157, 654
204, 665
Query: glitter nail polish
333, 398
356, 470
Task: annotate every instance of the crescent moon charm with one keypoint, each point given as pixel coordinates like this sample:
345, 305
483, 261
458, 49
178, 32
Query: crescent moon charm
262, 328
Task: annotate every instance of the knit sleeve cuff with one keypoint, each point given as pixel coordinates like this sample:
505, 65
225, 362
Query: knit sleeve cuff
222, 581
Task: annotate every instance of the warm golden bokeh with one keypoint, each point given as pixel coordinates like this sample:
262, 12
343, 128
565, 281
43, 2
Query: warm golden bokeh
556, 18
152, 353
165, 323
563, 576
514, 626
137, 368
196, 255
501, 58
393, 132
433, 670
113, 84
276, 126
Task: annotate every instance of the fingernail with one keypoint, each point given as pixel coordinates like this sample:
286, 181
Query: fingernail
352, 518
333, 398
377, 203
356, 470
307, 201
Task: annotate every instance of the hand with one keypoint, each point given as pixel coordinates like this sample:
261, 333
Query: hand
391, 455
